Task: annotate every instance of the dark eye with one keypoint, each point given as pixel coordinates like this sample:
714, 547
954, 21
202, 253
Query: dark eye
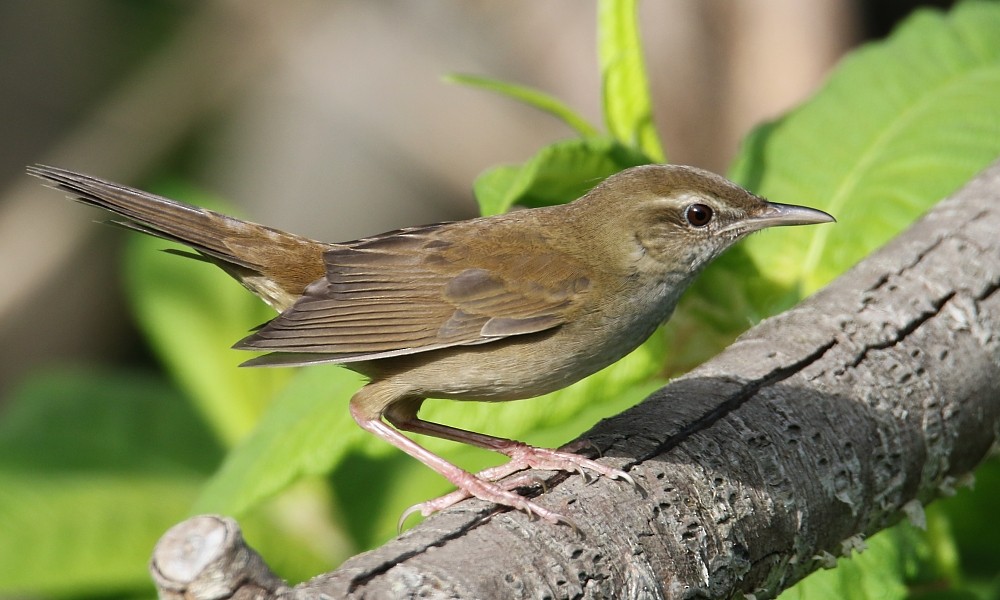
698, 215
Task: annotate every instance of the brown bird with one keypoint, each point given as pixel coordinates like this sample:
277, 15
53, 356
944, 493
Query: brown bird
489, 309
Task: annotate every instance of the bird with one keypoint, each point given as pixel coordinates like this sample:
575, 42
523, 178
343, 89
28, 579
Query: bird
489, 309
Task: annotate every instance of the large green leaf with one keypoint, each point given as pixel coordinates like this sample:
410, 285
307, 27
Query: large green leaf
84, 534
93, 469
191, 313
899, 125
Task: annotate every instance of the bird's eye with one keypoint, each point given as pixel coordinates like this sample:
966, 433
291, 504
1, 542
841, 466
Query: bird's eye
698, 215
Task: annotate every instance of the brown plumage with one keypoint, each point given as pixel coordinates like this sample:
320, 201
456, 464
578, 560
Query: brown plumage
497, 308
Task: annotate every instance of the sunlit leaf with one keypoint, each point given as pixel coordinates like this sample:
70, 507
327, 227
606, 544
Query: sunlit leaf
877, 573
305, 431
899, 125
93, 469
558, 173
628, 110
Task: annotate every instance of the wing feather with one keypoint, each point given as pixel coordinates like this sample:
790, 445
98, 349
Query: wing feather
421, 289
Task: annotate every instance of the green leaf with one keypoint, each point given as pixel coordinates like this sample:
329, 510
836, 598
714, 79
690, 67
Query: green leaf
531, 97
85, 534
559, 173
722, 302
93, 469
972, 526
69, 419
899, 125
306, 430
628, 111
878, 573
191, 313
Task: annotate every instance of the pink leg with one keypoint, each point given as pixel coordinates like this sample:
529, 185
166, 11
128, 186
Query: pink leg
465, 481
522, 456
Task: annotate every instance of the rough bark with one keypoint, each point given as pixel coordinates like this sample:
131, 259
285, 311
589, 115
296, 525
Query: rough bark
824, 423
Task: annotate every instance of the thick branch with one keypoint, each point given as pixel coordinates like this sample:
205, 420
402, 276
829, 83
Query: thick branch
823, 423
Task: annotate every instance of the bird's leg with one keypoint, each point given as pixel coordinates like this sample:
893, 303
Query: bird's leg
367, 407
522, 456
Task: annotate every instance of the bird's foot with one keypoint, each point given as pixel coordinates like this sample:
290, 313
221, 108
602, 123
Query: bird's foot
522, 456
496, 485
476, 486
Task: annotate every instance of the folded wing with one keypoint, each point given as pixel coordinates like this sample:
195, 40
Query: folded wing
421, 289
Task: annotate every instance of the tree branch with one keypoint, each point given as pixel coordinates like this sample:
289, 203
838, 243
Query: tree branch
824, 423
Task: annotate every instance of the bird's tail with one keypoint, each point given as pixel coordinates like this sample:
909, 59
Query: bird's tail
275, 265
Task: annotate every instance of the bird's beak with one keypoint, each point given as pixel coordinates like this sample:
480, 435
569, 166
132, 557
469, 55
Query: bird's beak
776, 215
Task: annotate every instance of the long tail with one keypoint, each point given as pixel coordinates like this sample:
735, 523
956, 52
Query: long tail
275, 265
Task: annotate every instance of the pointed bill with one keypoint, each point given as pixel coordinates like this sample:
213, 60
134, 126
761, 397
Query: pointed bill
777, 215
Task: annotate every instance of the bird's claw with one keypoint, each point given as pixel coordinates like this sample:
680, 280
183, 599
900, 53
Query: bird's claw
497, 484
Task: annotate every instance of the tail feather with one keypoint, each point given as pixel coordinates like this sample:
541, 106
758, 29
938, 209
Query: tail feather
275, 265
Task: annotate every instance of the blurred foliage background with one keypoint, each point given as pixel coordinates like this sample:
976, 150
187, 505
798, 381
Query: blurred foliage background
330, 119
119, 397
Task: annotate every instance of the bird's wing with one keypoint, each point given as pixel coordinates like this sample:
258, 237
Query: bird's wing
421, 289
